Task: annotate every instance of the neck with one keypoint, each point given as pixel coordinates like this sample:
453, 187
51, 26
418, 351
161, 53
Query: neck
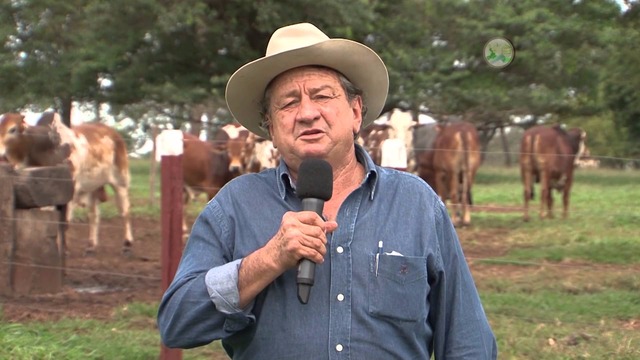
346, 179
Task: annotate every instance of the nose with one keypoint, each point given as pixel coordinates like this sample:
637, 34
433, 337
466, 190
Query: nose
307, 110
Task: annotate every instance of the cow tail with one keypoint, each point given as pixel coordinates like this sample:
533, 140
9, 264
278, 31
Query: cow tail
467, 166
536, 177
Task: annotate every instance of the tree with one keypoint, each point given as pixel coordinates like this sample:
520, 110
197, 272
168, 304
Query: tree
621, 80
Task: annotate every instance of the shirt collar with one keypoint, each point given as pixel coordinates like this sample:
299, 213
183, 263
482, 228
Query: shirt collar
370, 179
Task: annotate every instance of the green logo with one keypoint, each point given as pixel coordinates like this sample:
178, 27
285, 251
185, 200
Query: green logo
499, 52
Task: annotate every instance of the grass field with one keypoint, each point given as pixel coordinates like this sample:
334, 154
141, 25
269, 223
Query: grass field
552, 289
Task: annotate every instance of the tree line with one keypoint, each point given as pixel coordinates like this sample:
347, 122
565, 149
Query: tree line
576, 62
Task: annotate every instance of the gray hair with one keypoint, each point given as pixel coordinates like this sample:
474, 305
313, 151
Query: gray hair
350, 89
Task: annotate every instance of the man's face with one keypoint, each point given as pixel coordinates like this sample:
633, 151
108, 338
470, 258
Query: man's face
311, 115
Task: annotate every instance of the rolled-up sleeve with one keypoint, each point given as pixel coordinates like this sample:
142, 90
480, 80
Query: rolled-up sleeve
222, 285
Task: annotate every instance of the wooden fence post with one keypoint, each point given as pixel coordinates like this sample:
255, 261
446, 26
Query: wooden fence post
6, 227
170, 152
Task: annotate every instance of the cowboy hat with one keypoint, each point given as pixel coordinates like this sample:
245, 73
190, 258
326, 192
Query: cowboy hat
299, 45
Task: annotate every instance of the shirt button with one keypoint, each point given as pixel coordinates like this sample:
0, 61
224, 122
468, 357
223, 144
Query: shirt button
339, 347
340, 297
339, 249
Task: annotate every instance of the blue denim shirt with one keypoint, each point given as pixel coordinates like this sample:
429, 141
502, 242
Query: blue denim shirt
421, 301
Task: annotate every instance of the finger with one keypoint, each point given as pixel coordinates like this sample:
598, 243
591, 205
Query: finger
330, 226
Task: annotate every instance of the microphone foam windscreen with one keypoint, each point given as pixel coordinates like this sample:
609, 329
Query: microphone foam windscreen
315, 179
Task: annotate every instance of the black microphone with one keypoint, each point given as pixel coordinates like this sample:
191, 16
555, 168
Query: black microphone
314, 187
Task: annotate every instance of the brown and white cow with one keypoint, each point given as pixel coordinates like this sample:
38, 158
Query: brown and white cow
260, 154
372, 137
548, 155
450, 167
389, 140
99, 158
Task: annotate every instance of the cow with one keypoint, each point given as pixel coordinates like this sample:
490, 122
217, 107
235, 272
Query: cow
98, 158
372, 137
209, 165
586, 161
389, 140
450, 167
259, 154
205, 165
24, 146
548, 155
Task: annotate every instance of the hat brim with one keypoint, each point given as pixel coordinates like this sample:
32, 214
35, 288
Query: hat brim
361, 65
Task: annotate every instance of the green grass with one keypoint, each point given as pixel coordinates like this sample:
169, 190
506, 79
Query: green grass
129, 336
556, 289
571, 288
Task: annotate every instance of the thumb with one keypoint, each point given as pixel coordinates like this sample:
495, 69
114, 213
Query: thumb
330, 226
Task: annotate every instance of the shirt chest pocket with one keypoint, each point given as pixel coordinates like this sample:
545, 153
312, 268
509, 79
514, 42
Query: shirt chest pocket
400, 287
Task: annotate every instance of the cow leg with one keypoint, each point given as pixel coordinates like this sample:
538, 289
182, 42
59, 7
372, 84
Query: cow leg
454, 196
69, 213
525, 174
94, 222
566, 193
122, 202
544, 194
550, 203
464, 200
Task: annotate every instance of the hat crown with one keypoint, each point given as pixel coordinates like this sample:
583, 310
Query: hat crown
294, 37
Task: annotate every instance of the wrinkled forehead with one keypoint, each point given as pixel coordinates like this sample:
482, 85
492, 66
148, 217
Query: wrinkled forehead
313, 76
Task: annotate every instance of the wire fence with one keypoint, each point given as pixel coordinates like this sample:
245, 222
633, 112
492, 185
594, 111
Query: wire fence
496, 261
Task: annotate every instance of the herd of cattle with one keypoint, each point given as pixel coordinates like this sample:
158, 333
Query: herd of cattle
97, 156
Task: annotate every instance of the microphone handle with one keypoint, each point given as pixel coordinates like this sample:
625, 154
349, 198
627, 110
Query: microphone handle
307, 268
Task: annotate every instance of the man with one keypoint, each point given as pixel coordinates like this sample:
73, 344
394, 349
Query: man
237, 277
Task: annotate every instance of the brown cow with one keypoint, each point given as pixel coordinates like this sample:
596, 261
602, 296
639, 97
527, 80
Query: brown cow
548, 155
450, 167
25, 145
205, 166
98, 157
209, 165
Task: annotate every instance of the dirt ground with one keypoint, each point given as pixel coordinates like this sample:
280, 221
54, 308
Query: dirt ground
96, 286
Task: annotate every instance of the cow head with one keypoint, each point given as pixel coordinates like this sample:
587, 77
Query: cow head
12, 127
236, 147
578, 139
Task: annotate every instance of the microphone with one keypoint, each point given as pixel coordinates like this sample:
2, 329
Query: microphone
314, 187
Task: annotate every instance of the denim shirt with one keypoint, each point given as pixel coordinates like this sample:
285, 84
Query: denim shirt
419, 300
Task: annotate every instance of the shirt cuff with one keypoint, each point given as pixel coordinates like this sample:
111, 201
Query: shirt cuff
222, 285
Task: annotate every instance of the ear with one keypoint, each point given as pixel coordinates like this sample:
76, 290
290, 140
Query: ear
271, 135
356, 109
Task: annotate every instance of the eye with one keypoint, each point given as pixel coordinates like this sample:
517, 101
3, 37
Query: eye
12, 130
288, 103
324, 96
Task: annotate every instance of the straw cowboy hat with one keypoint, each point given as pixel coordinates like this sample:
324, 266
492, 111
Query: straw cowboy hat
299, 45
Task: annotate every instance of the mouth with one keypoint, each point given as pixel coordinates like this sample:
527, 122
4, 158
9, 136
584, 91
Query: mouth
310, 133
